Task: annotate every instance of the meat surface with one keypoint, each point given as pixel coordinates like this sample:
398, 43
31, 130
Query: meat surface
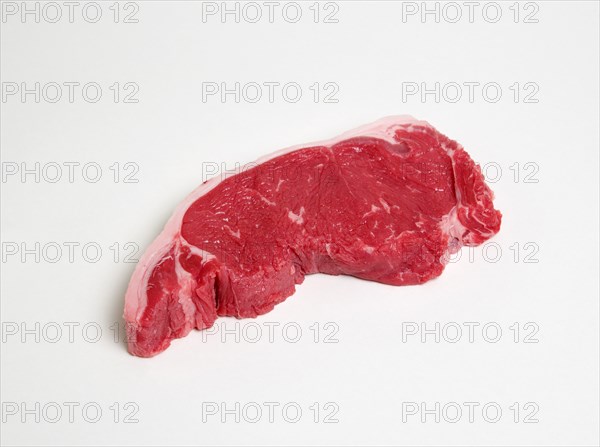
387, 202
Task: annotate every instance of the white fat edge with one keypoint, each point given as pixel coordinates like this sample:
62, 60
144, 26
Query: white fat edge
449, 150
135, 297
454, 229
135, 300
186, 283
384, 128
450, 223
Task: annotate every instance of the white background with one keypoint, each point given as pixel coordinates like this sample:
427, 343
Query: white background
371, 371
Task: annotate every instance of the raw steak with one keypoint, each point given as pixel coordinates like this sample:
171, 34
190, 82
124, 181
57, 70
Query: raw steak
386, 202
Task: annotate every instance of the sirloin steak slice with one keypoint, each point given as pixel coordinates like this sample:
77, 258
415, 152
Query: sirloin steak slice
386, 202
